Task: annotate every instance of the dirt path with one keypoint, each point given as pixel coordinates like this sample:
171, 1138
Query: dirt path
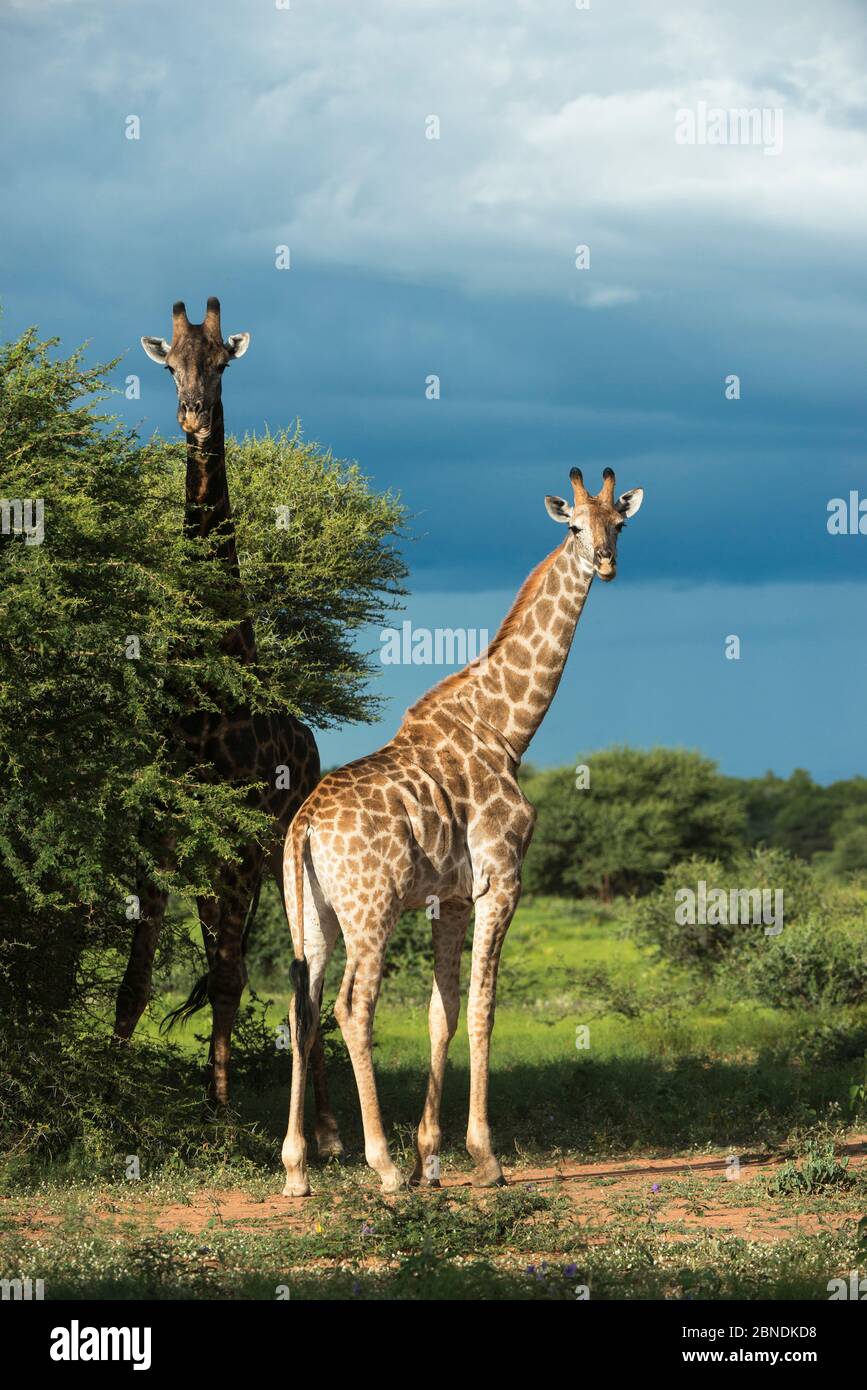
658, 1190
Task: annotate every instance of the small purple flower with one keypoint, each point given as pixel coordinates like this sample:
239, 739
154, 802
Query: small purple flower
367, 1230
654, 1187
570, 1271
531, 1269
356, 1288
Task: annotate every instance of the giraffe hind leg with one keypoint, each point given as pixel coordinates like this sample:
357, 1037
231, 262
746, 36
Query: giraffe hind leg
328, 1141
134, 991
494, 912
320, 934
223, 920
448, 935
354, 1010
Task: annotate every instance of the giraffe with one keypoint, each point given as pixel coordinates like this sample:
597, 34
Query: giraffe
234, 743
437, 816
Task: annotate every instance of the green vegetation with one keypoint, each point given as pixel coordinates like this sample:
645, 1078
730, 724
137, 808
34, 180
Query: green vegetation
641, 813
509, 1245
677, 1063
818, 1169
621, 1030
109, 629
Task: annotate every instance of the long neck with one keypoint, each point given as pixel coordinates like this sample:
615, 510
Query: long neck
207, 511
517, 679
208, 514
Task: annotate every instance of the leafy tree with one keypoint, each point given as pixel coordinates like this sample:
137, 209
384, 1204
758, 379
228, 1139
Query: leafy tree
798, 815
803, 823
112, 625
641, 812
848, 858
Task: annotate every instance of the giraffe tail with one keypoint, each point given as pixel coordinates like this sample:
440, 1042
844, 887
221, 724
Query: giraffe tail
300, 970
198, 998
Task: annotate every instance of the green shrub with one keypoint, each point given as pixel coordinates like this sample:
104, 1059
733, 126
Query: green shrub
819, 1168
819, 962
80, 1099
848, 858
409, 959
705, 945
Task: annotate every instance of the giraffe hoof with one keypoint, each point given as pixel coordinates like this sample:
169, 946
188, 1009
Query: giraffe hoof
393, 1182
419, 1180
296, 1189
489, 1177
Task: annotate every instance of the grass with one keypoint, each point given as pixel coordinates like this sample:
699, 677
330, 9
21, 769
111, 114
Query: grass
514, 1244
668, 1070
667, 1067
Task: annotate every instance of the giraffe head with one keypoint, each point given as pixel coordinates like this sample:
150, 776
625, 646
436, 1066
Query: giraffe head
197, 356
596, 522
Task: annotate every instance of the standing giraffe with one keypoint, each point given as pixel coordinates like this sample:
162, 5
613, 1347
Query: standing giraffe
234, 744
437, 815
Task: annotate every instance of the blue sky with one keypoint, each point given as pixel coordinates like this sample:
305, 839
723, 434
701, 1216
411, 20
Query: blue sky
305, 127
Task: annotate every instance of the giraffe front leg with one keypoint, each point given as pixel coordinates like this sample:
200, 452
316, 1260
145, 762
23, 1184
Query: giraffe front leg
494, 912
222, 918
448, 938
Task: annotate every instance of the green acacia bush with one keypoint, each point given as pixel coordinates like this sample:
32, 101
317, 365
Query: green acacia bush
73, 1095
848, 857
819, 962
86, 763
704, 946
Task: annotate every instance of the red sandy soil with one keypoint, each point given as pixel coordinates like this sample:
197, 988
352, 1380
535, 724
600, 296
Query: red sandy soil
593, 1188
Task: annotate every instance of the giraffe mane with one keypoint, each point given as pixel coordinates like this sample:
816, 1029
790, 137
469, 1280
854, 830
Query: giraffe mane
524, 597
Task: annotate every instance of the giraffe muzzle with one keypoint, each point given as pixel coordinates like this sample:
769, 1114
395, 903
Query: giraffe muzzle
194, 420
605, 565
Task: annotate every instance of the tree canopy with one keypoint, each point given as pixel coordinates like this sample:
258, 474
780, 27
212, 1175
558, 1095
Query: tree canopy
618, 829
112, 624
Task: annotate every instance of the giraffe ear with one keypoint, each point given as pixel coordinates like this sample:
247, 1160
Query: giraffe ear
629, 502
237, 343
157, 349
557, 508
